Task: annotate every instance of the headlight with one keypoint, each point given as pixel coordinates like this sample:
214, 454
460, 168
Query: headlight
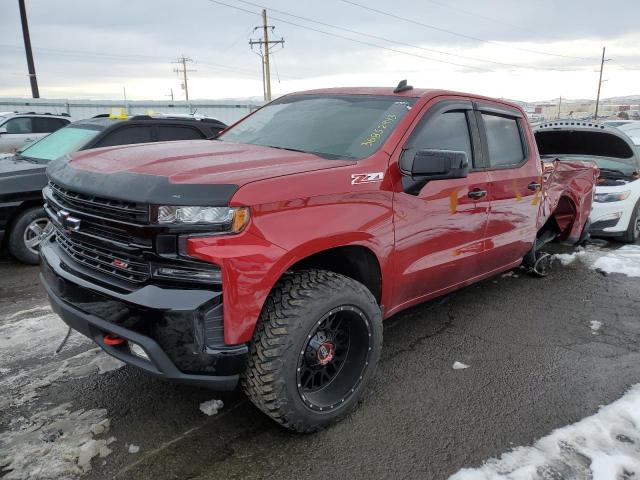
611, 197
234, 219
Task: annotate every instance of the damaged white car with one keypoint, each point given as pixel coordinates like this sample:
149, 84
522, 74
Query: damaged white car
616, 206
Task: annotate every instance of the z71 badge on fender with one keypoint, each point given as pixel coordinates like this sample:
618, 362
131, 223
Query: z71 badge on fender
358, 178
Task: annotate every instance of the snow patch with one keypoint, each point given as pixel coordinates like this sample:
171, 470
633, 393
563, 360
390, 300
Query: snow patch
24, 338
26, 382
134, 448
625, 260
211, 407
604, 446
53, 444
510, 273
459, 366
566, 258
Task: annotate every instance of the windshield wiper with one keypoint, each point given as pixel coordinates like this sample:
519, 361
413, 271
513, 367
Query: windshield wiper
26, 159
327, 156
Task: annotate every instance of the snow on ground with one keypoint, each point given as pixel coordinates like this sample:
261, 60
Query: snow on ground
211, 407
605, 446
459, 366
54, 444
625, 260
28, 359
56, 441
595, 326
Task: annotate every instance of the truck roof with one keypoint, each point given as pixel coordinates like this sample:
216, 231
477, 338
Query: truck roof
411, 93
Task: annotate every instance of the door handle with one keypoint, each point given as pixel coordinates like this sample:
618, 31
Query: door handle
534, 186
477, 193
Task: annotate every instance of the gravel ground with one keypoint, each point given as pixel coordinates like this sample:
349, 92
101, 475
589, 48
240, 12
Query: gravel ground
541, 354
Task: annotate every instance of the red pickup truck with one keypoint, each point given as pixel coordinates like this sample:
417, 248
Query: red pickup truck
270, 255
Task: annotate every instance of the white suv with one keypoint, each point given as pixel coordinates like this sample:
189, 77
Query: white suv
18, 129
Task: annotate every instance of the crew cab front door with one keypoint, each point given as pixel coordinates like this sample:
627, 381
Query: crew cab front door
440, 228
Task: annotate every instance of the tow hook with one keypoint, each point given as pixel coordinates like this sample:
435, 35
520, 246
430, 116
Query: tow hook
112, 340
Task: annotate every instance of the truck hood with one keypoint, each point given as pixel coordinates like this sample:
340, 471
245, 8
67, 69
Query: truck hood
18, 176
189, 172
606, 146
201, 161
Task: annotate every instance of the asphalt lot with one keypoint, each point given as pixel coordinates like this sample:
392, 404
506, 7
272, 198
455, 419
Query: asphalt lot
537, 361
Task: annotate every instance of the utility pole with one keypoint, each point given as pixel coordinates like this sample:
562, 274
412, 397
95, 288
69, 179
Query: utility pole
264, 45
170, 95
27, 48
595, 117
559, 105
184, 70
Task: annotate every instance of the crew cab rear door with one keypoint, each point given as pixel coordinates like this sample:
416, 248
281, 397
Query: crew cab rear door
440, 229
514, 169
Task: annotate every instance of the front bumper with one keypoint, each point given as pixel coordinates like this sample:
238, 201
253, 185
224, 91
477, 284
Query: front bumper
610, 218
170, 324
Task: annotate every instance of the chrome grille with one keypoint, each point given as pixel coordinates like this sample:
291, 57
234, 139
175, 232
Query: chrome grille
99, 206
121, 265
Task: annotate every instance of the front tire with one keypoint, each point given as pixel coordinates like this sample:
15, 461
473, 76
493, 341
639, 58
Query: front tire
315, 349
27, 231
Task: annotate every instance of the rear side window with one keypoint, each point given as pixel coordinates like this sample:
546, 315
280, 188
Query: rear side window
503, 140
47, 125
448, 131
19, 125
127, 135
174, 132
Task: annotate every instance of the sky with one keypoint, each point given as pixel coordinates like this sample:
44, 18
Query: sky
529, 51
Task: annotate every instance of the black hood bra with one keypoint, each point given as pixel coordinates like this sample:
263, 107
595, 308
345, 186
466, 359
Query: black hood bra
138, 187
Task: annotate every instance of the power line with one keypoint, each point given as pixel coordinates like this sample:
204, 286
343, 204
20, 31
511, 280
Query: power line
362, 42
479, 15
131, 57
463, 35
396, 41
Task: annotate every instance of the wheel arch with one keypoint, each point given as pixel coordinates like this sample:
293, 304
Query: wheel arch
358, 262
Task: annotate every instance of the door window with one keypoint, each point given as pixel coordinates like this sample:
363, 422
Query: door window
127, 135
19, 125
175, 132
503, 140
47, 125
448, 131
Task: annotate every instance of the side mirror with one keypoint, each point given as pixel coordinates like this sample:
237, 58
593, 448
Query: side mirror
431, 164
437, 164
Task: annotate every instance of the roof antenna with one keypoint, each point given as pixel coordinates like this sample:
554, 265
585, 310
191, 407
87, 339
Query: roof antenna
402, 87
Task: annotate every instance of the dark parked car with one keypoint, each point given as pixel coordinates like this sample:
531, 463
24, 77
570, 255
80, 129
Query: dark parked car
23, 222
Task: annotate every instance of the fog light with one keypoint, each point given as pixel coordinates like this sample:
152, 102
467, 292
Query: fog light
138, 351
188, 274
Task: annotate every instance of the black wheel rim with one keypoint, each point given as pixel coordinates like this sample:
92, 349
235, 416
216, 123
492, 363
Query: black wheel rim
334, 358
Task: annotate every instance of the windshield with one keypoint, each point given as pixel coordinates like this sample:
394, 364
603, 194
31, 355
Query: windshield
59, 143
331, 126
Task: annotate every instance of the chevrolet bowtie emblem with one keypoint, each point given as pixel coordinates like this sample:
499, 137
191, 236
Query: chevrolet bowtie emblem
68, 222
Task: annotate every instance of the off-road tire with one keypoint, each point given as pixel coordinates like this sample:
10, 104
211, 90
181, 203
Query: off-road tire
16, 244
631, 235
292, 310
